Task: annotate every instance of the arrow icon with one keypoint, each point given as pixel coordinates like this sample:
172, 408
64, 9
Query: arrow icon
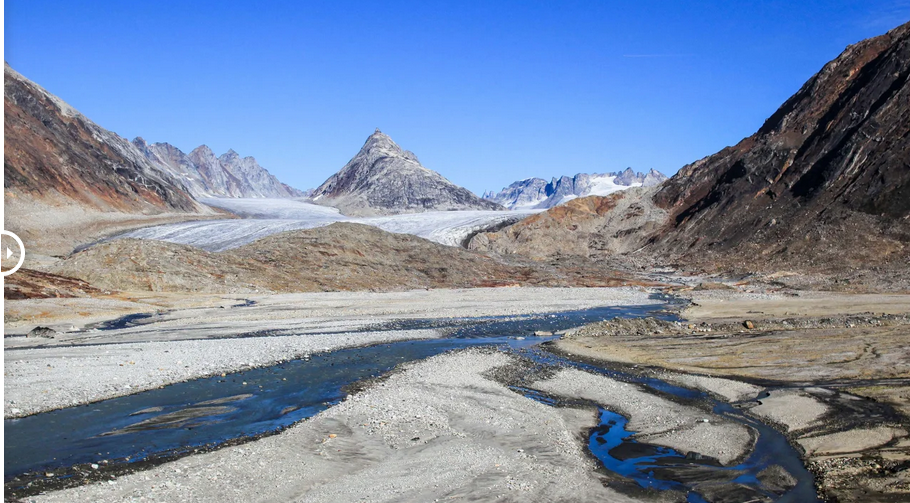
9, 253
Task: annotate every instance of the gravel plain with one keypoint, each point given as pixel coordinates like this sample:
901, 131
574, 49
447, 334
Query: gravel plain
182, 311
836, 367
38, 380
179, 344
439, 430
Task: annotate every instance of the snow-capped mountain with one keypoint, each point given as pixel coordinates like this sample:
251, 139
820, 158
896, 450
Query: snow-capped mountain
526, 193
206, 175
537, 193
385, 179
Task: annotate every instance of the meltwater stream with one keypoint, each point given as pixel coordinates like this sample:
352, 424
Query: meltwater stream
206, 412
662, 468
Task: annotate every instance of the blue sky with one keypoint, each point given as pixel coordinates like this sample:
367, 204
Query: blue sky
484, 92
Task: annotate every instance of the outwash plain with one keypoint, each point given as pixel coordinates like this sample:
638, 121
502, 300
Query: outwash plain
822, 368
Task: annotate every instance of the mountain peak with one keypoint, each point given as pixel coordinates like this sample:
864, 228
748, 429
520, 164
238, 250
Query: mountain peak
538, 193
384, 178
203, 150
379, 135
380, 141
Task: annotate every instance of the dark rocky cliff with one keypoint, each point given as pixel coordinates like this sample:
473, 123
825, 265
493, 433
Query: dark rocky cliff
827, 177
823, 187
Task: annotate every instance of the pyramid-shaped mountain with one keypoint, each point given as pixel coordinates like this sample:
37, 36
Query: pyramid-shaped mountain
385, 179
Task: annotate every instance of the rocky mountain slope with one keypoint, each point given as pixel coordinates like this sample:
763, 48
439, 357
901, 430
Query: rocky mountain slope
589, 227
526, 193
67, 179
54, 153
825, 182
206, 175
384, 179
823, 187
537, 193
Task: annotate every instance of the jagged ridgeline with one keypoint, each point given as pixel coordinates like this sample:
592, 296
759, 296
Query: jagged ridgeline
537, 193
204, 174
69, 181
54, 155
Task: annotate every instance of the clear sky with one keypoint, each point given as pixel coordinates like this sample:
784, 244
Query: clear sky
484, 92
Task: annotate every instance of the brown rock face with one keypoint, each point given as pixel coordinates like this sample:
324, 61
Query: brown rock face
53, 153
588, 227
826, 179
31, 284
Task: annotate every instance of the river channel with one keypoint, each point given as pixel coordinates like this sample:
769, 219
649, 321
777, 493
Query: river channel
43, 450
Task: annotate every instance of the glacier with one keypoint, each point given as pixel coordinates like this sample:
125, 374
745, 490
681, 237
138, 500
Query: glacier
261, 217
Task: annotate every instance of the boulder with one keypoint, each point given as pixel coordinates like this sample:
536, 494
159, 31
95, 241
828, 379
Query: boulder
43, 332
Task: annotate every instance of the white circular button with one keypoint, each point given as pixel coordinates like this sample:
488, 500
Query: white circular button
7, 253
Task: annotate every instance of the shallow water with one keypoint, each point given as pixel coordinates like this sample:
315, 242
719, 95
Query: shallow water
177, 417
657, 467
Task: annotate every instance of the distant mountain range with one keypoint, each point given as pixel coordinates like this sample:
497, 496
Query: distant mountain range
823, 186
385, 179
69, 181
205, 175
537, 193
58, 156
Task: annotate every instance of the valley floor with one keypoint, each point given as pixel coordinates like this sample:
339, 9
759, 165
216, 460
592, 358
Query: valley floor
451, 427
207, 335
